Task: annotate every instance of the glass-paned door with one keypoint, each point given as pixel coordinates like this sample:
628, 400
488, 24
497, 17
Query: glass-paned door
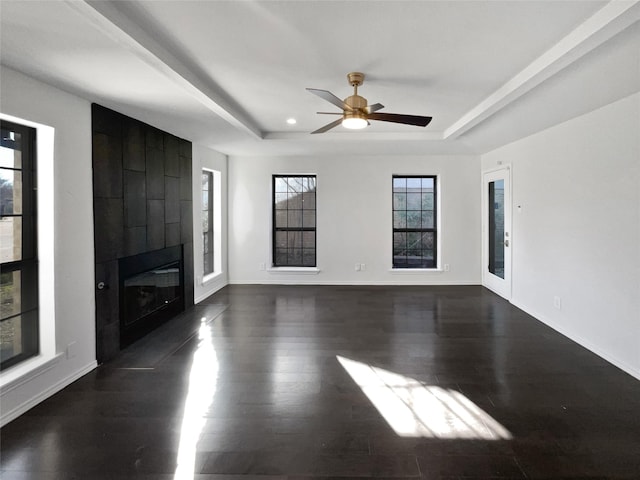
497, 232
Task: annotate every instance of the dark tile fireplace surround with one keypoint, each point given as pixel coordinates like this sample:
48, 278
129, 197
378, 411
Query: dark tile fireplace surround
142, 228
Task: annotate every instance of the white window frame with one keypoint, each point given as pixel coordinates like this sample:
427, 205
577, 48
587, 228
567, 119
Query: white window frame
217, 226
48, 357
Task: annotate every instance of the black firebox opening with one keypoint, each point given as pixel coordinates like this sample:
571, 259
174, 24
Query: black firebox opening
151, 291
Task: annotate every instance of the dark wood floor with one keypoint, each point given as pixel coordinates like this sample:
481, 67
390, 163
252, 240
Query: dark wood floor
278, 382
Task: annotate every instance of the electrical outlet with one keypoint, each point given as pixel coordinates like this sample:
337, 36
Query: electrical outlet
446, 267
363, 266
357, 267
557, 302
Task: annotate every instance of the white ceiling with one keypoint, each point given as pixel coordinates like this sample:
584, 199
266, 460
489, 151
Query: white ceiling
227, 74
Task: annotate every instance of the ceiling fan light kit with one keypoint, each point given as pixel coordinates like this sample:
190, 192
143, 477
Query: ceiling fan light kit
354, 121
356, 112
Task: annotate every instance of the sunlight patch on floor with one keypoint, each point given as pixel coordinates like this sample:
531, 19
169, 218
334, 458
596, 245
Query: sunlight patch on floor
413, 409
203, 378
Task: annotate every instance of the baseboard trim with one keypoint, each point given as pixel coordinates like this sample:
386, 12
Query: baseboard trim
40, 366
354, 283
622, 365
7, 417
214, 288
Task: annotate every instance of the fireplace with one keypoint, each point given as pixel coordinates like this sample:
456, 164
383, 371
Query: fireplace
151, 291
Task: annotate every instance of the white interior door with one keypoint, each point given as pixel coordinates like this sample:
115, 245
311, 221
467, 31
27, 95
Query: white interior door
496, 231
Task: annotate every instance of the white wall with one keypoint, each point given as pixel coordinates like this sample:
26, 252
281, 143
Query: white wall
353, 218
578, 233
204, 157
72, 240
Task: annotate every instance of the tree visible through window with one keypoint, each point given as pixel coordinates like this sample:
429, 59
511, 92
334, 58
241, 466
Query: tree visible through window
19, 277
207, 221
294, 220
414, 222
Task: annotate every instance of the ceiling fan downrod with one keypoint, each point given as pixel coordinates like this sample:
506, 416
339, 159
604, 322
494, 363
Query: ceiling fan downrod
355, 101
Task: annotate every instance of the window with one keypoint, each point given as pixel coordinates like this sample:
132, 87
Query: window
19, 274
207, 221
294, 221
414, 222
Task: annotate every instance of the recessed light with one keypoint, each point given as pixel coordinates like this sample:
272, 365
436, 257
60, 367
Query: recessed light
291, 121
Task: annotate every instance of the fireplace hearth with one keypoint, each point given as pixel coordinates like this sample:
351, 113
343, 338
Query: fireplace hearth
151, 291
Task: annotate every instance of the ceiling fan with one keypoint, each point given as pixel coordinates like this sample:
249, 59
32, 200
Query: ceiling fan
356, 113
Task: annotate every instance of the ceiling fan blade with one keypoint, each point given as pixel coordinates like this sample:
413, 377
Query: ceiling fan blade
374, 108
398, 118
328, 127
329, 113
331, 98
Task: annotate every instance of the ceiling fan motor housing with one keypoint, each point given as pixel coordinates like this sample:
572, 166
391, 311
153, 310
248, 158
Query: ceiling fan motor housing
356, 102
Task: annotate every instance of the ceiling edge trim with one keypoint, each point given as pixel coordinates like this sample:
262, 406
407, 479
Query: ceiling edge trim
610, 20
110, 20
356, 136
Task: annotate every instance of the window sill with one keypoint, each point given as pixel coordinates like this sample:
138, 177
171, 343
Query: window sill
415, 271
295, 270
26, 371
209, 277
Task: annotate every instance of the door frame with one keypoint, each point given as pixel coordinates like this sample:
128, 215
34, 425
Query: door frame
494, 283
